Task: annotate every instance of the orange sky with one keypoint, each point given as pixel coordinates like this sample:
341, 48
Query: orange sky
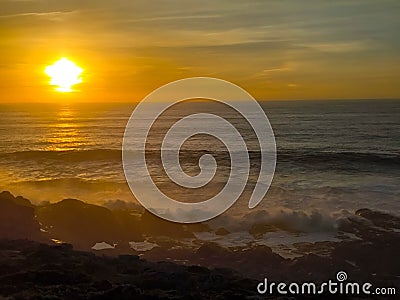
274, 49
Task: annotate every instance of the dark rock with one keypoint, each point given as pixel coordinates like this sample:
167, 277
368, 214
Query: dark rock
222, 231
102, 285
17, 218
197, 227
380, 219
198, 270
211, 250
258, 229
122, 292
153, 225
124, 258
79, 223
64, 247
51, 272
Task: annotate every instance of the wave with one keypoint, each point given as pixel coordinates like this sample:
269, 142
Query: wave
312, 156
69, 155
51, 190
282, 218
335, 160
347, 160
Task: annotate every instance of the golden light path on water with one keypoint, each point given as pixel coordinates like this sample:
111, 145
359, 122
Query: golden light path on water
64, 135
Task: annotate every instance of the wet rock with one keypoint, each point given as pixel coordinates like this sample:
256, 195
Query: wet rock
379, 219
211, 250
79, 223
259, 229
153, 225
83, 225
17, 218
222, 231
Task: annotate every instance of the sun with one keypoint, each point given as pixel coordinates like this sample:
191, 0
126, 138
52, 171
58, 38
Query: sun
64, 74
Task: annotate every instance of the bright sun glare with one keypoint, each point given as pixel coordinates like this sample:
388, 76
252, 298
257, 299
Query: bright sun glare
64, 74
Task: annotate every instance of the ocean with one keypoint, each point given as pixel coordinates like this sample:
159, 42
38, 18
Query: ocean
333, 157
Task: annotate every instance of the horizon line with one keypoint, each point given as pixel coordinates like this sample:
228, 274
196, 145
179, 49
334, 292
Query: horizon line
258, 100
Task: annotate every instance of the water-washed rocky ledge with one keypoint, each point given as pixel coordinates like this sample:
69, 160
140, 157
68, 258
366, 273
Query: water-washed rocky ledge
32, 267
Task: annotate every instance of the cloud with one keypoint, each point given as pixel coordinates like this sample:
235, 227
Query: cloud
53, 15
338, 46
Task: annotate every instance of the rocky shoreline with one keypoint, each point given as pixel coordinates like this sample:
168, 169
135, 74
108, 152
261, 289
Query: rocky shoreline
31, 270
32, 265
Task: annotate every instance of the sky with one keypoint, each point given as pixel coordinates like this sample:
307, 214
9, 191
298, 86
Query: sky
276, 50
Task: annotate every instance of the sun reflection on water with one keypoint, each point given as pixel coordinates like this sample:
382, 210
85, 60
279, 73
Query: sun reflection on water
64, 133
